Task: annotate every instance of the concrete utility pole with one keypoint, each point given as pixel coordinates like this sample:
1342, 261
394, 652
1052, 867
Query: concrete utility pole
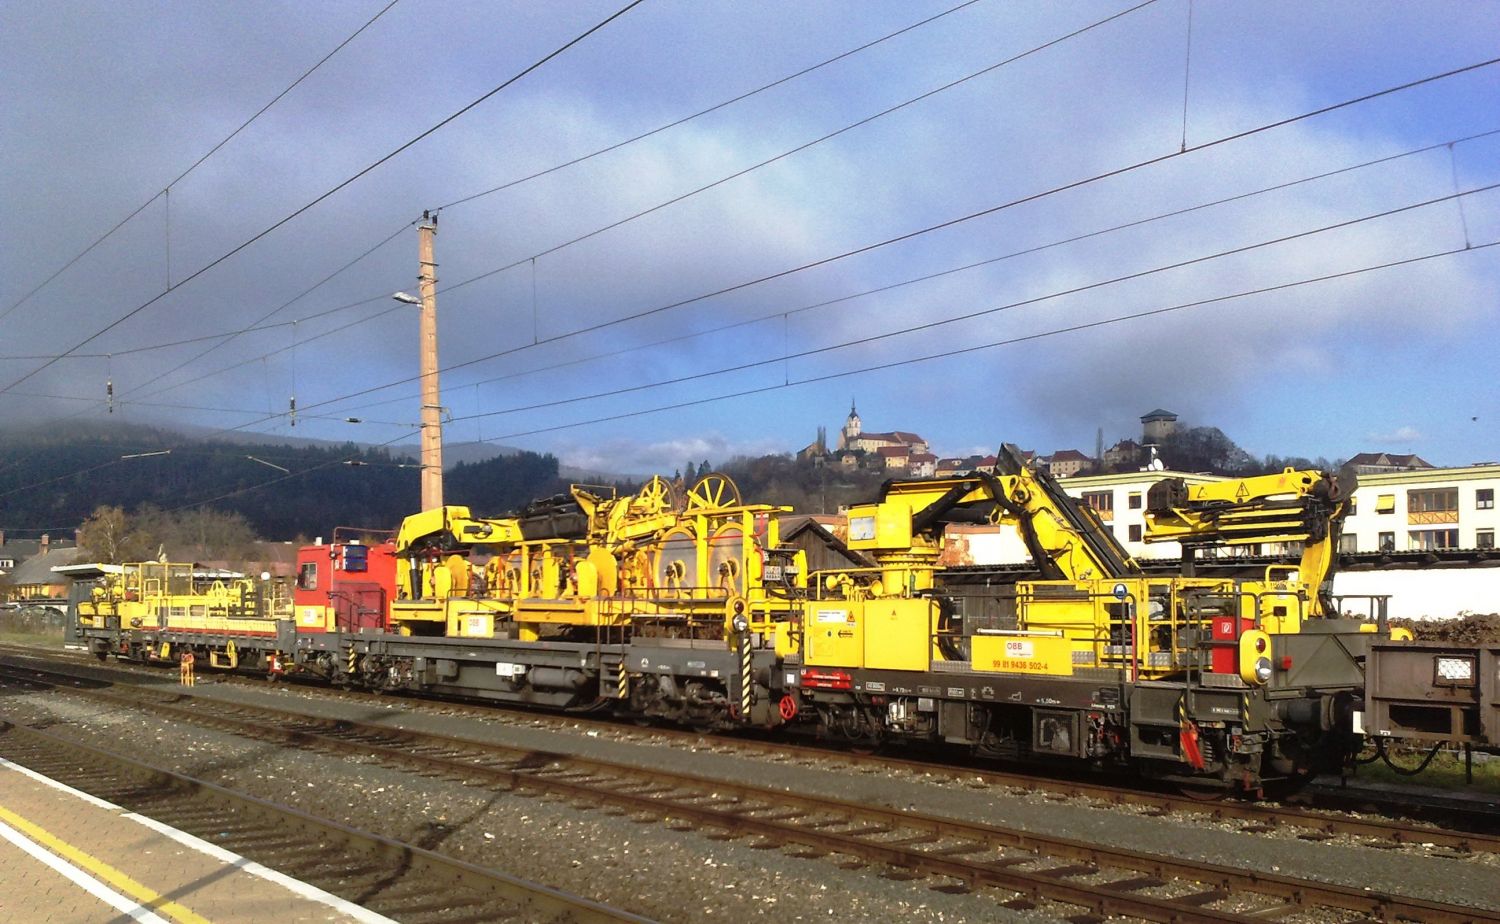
432, 405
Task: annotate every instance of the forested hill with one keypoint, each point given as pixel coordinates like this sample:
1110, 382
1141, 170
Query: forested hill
54, 480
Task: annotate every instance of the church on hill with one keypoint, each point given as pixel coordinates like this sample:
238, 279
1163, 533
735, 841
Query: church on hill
854, 438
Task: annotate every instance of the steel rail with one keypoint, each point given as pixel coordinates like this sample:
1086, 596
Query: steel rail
822, 824
1257, 817
407, 879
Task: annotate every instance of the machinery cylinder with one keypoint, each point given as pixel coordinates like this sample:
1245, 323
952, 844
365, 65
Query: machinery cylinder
558, 678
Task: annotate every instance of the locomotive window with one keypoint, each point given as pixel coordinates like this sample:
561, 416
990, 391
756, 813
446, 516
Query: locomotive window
356, 558
307, 576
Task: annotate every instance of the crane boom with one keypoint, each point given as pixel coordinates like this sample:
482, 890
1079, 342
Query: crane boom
1306, 506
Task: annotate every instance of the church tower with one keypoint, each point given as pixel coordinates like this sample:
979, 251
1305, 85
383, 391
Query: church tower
849, 436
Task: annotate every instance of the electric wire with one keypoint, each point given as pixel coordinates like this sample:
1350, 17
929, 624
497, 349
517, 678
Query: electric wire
897, 239
911, 360
971, 315
287, 477
605, 150
255, 325
930, 325
1118, 171
947, 223
325, 195
804, 146
703, 112
782, 313
196, 164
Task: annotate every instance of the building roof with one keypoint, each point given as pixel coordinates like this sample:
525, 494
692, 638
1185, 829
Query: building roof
894, 436
811, 524
1069, 455
1431, 476
950, 463
25, 548
893, 451
923, 457
1391, 459
1158, 414
38, 568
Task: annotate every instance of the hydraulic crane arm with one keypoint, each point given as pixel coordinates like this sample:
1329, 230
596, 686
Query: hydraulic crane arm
1041, 499
1293, 506
452, 529
1065, 541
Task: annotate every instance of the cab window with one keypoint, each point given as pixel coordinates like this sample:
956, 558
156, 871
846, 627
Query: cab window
307, 576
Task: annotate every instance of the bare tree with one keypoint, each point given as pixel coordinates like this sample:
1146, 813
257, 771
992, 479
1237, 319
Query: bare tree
109, 536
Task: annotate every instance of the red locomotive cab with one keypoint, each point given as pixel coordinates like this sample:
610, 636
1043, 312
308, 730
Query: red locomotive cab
344, 586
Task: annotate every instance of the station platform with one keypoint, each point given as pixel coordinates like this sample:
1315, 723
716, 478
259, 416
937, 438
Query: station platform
67, 857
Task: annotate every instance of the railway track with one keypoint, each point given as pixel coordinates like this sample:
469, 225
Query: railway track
1463, 827
399, 880
1026, 868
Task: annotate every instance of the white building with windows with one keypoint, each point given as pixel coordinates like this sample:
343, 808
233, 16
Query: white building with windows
1407, 511
1424, 510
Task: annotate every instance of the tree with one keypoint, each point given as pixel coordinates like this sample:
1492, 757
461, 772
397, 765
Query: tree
209, 533
108, 536
1205, 449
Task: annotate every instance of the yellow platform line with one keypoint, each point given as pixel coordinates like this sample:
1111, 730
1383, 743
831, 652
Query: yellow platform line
120, 881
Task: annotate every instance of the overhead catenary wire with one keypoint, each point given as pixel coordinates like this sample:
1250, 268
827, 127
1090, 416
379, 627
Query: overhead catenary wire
287, 477
911, 101
679, 198
786, 355
947, 223
929, 325
1032, 197
166, 190
189, 449
325, 195
974, 348
541, 341
260, 323
912, 280
463, 200
569, 163
882, 366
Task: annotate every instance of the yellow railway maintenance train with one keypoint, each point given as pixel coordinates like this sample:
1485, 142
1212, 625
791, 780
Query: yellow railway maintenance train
688, 608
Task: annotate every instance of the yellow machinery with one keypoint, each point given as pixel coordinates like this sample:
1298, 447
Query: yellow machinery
1093, 609
591, 565
157, 604
1302, 507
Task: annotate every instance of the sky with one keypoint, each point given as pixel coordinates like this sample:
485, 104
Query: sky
104, 104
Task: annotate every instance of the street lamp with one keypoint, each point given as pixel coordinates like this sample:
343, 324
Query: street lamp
406, 298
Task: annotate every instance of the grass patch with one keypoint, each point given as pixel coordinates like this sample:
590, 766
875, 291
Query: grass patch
1445, 772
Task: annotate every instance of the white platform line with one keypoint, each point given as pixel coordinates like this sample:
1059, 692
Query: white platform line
121, 903
227, 857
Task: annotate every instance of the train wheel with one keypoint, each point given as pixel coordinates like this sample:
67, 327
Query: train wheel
1283, 789
1204, 793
